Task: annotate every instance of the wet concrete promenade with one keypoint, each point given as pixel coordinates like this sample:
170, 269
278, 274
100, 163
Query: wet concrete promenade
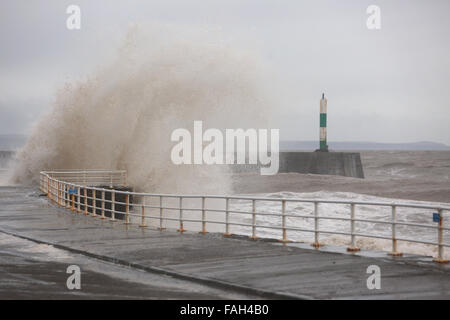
204, 266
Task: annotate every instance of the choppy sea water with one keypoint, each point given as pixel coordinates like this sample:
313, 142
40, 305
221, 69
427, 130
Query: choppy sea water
415, 177
412, 177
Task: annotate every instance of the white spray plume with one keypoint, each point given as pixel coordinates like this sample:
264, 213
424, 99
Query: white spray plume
123, 115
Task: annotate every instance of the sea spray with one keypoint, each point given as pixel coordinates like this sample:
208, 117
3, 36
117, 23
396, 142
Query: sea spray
122, 116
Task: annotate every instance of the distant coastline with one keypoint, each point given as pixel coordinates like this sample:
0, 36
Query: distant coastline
366, 146
12, 142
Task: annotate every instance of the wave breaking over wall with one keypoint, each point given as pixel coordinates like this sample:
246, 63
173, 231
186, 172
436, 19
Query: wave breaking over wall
122, 116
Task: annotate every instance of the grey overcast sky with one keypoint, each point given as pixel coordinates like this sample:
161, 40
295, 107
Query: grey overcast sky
387, 85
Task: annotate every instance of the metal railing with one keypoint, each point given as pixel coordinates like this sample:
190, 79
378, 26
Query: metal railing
87, 177
69, 189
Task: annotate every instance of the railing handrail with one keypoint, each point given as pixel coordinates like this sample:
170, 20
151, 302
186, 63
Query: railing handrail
236, 197
58, 190
81, 171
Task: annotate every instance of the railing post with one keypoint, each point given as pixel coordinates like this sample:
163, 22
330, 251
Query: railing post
65, 194
94, 200
61, 198
440, 257
283, 221
253, 236
394, 251
57, 196
79, 200
353, 247
143, 224
52, 188
316, 243
127, 203
73, 200
68, 196
113, 205
85, 201
227, 214
203, 217
48, 187
181, 229
61, 194
103, 204
160, 214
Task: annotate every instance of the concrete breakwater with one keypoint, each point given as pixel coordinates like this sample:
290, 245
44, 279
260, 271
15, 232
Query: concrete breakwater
347, 164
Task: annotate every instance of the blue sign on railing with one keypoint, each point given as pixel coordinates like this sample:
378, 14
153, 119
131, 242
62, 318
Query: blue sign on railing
72, 191
436, 217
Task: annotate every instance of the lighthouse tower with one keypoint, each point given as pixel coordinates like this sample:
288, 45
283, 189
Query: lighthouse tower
323, 124
321, 161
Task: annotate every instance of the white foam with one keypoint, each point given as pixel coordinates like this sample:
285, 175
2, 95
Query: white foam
411, 215
39, 251
122, 117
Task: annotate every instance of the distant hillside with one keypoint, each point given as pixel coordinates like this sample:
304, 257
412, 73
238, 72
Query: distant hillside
16, 141
313, 145
12, 141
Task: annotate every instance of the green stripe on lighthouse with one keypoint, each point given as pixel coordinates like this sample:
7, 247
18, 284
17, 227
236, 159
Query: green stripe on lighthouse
323, 124
323, 120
